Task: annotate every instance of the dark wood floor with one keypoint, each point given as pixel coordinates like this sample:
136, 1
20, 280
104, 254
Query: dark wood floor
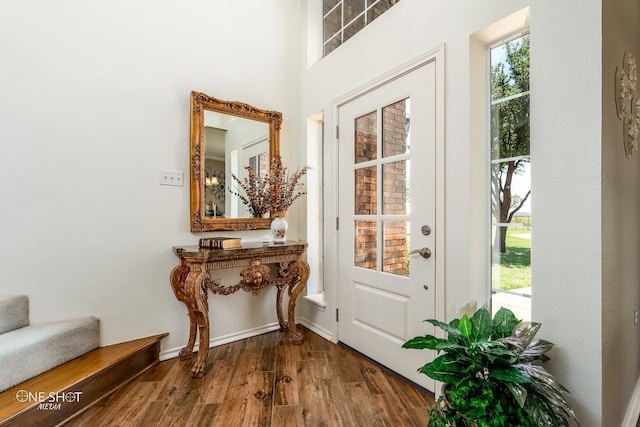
266, 381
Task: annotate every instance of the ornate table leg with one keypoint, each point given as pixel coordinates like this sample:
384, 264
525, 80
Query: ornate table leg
189, 288
178, 279
284, 326
295, 280
196, 291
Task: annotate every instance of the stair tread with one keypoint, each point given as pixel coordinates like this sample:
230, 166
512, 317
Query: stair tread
76, 370
38, 331
29, 351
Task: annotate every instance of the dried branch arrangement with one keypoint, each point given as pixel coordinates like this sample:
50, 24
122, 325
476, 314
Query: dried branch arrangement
273, 193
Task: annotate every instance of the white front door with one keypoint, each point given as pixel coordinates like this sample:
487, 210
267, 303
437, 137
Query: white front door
387, 220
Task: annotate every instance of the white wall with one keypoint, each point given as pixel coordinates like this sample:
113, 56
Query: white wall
94, 101
620, 229
566, 124
566, 181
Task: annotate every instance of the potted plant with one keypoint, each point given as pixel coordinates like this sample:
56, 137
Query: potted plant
491, 373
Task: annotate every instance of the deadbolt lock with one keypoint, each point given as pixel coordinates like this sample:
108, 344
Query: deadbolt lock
426, 230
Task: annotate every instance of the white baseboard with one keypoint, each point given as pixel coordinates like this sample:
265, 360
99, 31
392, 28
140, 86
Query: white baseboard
315, 328
237, 336
225, 339
633, 410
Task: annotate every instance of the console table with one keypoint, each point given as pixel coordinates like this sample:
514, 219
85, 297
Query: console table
190, 281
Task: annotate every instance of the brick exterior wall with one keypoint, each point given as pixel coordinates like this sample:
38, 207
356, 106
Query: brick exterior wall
394, 190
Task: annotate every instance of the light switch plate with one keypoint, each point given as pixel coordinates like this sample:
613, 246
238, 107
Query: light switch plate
171, 177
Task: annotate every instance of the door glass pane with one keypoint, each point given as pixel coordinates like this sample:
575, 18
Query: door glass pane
264, 165
396, 247
332, 23
366, 244
395, 188
511, 219
395, 128
327, 5
260, 164
379, 8
366, 191
510, 128
352, 8
511, 268
511, 236
351, 29
332, 44
366, 137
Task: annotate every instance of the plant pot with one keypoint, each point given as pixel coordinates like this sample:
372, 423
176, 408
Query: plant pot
445, 398
279, 228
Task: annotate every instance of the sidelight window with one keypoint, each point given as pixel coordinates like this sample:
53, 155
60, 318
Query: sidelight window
510, 171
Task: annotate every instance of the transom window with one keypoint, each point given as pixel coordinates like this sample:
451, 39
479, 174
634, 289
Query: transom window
510, 171
343, 18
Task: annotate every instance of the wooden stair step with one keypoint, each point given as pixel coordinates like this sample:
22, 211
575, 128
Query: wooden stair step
63, 392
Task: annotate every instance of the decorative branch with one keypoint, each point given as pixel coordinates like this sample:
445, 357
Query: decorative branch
284, 189
273, 193
256, 192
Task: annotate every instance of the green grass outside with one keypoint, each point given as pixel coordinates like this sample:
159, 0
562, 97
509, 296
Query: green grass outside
512, 270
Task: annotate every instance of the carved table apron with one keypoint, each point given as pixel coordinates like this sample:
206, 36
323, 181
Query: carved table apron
190, 281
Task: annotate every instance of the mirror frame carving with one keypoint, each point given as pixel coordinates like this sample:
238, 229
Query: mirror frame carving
199, 103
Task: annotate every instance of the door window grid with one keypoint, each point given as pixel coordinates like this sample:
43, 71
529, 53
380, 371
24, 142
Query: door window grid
343, 18
510, 168
381, 177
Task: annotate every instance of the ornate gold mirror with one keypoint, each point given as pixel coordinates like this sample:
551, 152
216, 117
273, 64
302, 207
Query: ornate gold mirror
226, 137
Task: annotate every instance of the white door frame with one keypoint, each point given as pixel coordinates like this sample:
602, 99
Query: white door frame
331, 197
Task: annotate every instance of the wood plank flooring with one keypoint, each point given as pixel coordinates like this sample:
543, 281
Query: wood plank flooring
266, 381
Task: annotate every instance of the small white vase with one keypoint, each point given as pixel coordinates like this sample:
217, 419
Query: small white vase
279, 227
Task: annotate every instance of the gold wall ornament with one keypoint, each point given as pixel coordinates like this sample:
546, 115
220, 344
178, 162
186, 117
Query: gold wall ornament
628, 103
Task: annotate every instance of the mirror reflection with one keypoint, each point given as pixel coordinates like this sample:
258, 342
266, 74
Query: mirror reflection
226, 137
231, 144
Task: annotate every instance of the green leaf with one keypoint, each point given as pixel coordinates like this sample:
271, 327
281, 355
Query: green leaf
482, 324
495, 353
452, 331
526, 331
513, 343
536, 350
465, 326
541, 412
541, 376
519, 392
450, 347
510, 374
503, 323
445, 369
428, 341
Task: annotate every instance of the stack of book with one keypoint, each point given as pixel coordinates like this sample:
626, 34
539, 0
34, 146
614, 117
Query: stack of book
220, 242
